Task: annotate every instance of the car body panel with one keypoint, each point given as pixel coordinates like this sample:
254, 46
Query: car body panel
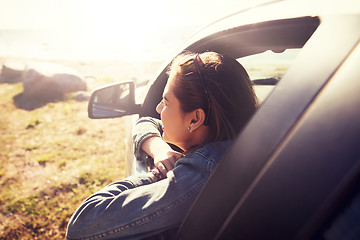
272, 123
311, 168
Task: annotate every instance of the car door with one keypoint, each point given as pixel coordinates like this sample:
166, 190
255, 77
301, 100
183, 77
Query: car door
263, 187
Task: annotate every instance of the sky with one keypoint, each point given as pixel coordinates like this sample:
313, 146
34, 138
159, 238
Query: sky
104, 28
25, 14
107, 28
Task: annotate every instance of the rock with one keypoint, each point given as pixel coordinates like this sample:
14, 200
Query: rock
11, 72
43, 82
40, 88
49, 81
81, 96
69, 82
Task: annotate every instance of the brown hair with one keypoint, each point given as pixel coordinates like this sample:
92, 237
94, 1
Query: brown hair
232, 98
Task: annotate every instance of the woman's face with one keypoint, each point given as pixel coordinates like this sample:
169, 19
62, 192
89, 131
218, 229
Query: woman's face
175, 121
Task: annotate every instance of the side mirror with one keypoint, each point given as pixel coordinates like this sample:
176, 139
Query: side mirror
112, 101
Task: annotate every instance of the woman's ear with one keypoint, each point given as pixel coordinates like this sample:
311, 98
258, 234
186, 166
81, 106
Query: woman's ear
197, 118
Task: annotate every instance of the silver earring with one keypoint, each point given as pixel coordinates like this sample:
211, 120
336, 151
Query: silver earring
189, 128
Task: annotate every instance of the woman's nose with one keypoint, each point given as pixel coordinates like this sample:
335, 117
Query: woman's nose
159, 108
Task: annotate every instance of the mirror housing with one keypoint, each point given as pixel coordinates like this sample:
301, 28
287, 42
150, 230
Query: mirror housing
113, 101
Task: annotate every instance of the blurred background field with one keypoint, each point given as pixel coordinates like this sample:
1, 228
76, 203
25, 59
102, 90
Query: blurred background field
51, 159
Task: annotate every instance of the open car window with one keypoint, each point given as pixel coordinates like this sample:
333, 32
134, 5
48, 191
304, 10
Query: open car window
267, 68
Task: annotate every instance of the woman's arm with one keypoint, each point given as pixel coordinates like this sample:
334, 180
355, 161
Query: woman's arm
145, 128
137, 207
147, 137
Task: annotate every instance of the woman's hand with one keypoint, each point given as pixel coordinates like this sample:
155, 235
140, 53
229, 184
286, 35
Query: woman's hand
163, 155
165, 160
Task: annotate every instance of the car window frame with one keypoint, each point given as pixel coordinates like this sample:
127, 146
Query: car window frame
248, 34
223, 42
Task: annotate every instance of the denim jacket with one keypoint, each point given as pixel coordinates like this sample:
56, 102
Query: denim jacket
138, 207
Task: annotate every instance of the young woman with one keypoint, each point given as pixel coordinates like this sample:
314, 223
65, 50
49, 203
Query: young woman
206, 102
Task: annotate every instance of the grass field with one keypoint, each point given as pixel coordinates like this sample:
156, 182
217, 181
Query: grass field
51, 159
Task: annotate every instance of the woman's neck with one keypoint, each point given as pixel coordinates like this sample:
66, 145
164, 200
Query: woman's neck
197, 139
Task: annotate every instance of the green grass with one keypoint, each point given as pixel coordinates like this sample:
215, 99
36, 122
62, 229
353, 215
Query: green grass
51, 159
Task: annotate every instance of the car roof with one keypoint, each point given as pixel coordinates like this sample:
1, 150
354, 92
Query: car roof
269, 11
